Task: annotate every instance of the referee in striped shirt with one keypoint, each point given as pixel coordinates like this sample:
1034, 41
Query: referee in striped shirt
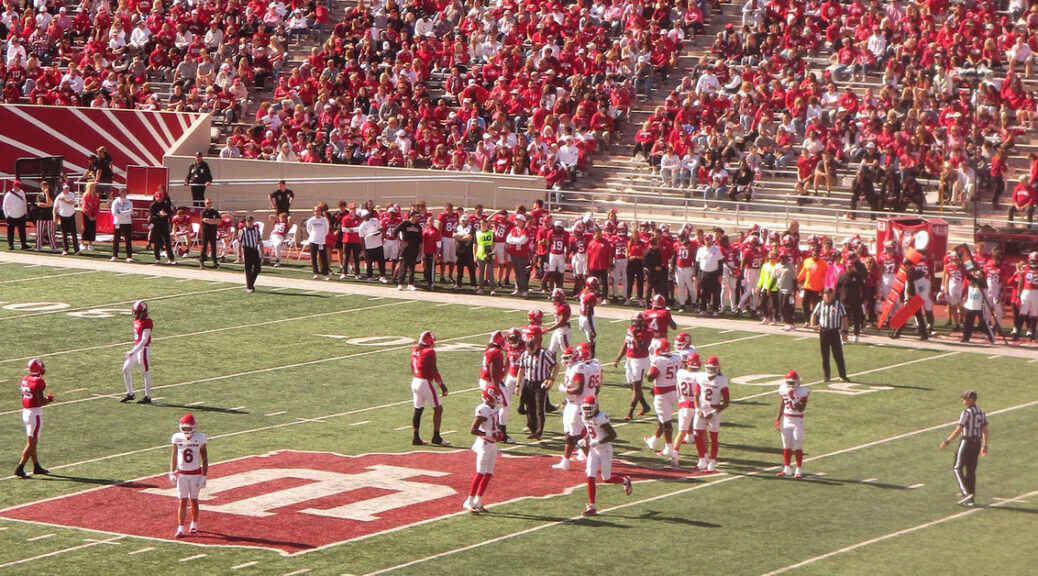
973, 424
537, 369
252, 251
830, 319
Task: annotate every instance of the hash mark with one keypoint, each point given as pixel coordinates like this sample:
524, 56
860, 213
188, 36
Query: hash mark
442, 305
184, 280
141, 551
377, 298
75, 390
245, 565
726, 331
39, 538
869, 480
914, 486
995, 357
198, 403
277, 413
618, 320
315, 420
195, 557
628, 453
447, 432
236, 408
477, 308
802, 338
401, 428
361, 423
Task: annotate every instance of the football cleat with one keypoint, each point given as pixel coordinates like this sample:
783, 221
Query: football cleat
180, 532
35, 367
693, 362
650, 441
562, 464
558, 295
627, 485
590, 511
713, 366
497, 338
535, 316
682, 341
145, 400
20, 472
187, 424
37, 469
711, 465
966, 500
193, 529
426, 339
127, 398
797, 473
440, 442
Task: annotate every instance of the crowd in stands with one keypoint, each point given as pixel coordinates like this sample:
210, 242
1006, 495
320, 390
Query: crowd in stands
900, 92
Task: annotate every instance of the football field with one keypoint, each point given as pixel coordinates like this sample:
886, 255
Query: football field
304, 394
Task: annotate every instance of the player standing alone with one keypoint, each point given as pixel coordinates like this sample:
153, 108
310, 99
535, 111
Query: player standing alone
188, 468
790, 421
600, 436
423, 367
33, 401
488, 433
140, 354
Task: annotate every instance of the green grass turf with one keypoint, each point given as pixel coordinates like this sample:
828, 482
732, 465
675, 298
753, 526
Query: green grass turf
217, 345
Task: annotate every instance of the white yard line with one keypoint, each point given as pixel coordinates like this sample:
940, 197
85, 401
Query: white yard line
276, 413
212, 330
399, 428
42, 537
245, 565
81, 272
116, 304
195, 557
862, 373
892, 535
683, 491
62, 551
75, 390
361, 423
914, 486
198, 403
236, 408
141, 551
867, 480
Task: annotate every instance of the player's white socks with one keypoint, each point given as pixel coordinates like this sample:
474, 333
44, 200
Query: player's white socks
147, 383
711, 465
468, 503
477, 502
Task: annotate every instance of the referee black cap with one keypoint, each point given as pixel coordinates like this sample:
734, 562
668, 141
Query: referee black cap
972, 394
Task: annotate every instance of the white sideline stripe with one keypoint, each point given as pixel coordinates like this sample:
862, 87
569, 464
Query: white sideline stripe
277, 413
46, 277
245, 565
114, 304
683, 491
185, 280
378, 298
195, 557
444, 304
141, 551
862, 373
154, 277
725, 331
894, 535
618, 320
35, 265
43, 537
447, 432
361, 423
212, 330
62, 551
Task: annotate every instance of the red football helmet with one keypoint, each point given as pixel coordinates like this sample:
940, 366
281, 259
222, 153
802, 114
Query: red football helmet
659, 301
187, 424
35, 367
663, 347
682, 341
492, 396
589, 406
569, 355
792, 378
426, 339
592, 283
558, 295
140, 309
497, 338
584, 350
693, 362
514, 335
638, 319
535, 316
713, 366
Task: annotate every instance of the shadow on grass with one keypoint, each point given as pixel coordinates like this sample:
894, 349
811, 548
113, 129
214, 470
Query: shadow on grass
1012, 509
736, 425
52, 477
658, 517
752, 448
898, 386
519, 516
299, 295
199, 408
235, 539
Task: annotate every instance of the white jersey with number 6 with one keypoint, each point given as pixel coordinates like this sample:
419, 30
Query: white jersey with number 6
592, 371
189, 456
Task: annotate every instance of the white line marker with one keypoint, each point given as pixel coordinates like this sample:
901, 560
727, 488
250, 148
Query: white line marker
618, 320
33, 265
868, 480
447, 432
2, 528
377, 298
117, 304
303, 571
444, 304
236, 408
314, 420
74, 390
62, 551
125, 274
43, 537
277, 413
198, 403
892, 535
195, 557
726, 331
361, 423
45, 277
803, 338
245, 565
995, 357
628, 453
184, 280
213, 282
477, 308
154, 277
141, 551
914, 486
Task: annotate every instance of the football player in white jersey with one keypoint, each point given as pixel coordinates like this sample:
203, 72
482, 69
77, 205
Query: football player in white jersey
591, 368
686, 402
487, 431
711, 398
663, 373
599, 444
140, 354
572, 386
188, 468
683, 346
790, 421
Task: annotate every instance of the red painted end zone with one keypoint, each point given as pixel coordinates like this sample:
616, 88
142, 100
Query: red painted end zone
299, 501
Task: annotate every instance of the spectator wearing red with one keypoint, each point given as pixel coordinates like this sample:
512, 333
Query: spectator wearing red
1023, 200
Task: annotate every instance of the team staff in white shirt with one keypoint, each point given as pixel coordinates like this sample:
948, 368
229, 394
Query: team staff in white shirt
122, 225
15, 209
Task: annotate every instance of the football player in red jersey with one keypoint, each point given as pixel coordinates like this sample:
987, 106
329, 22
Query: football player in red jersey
486, 428
492, 370
534, 330
423, 368
659, 320
557, 243
448, 224
578, 256
587, 300
33, 401
513, 350
560, 329
636, 348
140, 354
